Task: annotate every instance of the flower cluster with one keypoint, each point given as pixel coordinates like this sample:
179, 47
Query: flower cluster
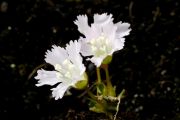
101, 39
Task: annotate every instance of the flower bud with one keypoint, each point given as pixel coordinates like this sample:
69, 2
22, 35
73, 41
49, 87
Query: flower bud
80, 85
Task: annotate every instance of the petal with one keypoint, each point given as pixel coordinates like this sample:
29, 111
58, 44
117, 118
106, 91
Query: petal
118, 44
59, 91
82, 23
102, 18
84, 28
56, 56
85, 48
46, 78
110, 31
122, 29
96, 60
94, 32
105, 22
73, 49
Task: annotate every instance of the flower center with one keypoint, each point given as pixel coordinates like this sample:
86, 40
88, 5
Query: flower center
100, 46
66, 70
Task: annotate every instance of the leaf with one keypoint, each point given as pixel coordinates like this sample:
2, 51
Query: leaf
96, 106
101, 89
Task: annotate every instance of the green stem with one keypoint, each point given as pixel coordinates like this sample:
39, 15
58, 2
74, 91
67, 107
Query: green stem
98, 75
86, 91
91, 95
107, 76
110, 88
98, 79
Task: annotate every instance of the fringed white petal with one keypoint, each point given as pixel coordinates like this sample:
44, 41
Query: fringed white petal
46, 78
59, 91
122, 29
82, 23
85, 48
73, 49
103, 24
96, 60
102, 19
118, 44
56, 55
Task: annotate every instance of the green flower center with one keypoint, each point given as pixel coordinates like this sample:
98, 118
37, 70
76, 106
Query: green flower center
100, 46
66, 70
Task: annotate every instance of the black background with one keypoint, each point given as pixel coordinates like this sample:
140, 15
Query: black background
147, 67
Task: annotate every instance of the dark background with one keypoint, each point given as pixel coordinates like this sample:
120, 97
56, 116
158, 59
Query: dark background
147, 67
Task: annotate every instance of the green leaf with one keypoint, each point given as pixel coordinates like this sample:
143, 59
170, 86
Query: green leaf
96, 106
101, 89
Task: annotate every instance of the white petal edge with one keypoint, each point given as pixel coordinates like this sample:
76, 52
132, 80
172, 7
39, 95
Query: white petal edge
102, 18
96, 60
59, 91
73, 49
46, 78
122, 29
85, 47
82, 23
118, 44
56, 55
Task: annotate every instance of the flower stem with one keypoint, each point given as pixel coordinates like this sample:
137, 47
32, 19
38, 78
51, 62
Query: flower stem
98, 75
91, 94
110, 88
98, 79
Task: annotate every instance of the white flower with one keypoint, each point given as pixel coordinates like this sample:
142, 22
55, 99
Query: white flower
68, 65
102, 37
